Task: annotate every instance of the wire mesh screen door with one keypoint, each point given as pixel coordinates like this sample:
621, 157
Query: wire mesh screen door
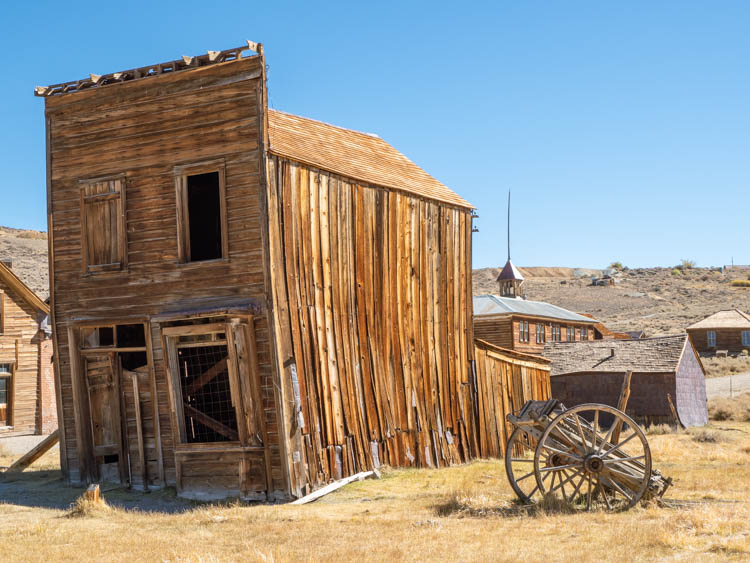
215, 383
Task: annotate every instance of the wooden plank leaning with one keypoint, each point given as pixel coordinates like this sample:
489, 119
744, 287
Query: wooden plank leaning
35, 453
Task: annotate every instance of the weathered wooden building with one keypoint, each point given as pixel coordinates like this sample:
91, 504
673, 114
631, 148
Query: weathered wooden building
665, 370
27, 388
525, 326
724, 330
248, 302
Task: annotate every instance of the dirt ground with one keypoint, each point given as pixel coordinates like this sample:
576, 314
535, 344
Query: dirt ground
463, 513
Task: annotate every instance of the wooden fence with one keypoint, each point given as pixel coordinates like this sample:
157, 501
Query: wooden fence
505, 381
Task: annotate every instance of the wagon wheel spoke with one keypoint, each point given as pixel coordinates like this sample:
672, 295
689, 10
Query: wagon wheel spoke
620, 490
560, 467
625, 441
578, 487
588, 493
607, 437
568, 454
604, 493
621, 459
562, 483
580, 432
516, 460
596, 429
524, 477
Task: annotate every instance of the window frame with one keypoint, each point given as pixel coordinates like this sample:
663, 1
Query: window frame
541, 336
523, 331
122, 234
584, 333
556, 333
745, 337
711, 338
571, 330
11, 377
181, 174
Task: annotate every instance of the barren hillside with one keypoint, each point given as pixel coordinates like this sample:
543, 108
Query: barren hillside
28, 250
656, 300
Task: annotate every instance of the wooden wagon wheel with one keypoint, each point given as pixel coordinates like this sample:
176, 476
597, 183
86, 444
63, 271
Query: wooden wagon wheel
572, 453
519, 465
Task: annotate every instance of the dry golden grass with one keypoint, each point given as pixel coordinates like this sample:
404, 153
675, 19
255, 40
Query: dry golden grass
736, 409
460, 513
719, 367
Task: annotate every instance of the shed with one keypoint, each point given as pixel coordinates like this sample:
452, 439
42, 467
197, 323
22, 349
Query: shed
724, 330
248, 302
664, 369
27, 385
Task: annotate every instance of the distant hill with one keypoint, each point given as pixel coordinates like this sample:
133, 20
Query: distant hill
653, 299
28, 250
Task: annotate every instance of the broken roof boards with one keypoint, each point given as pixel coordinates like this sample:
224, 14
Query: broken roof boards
252, 303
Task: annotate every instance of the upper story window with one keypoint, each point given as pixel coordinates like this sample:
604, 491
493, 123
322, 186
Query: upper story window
746, 337
201, 212
523, 331
103, 238
571, 334
540, 336
711, 336
556, 333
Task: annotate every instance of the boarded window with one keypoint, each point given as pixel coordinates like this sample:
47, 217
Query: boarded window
711, 338
103, 241
201, 212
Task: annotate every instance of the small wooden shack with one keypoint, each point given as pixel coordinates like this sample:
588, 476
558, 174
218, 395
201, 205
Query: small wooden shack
667, 373
249, 302
27, 386
525, 326
724, 330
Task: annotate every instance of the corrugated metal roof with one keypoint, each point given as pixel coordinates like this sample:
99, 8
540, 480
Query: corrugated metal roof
647, 355
496, 305
353, 154
510, 272
731, 318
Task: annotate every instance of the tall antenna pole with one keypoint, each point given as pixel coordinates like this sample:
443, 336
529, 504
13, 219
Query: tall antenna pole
508, 225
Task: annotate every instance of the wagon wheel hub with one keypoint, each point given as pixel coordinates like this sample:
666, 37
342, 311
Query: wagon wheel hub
593, 463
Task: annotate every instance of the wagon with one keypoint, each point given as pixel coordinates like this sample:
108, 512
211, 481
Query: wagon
591, 455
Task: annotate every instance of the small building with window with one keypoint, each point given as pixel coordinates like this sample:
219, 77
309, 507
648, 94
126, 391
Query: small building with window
525, 326
248, 302
27, 385
727, 330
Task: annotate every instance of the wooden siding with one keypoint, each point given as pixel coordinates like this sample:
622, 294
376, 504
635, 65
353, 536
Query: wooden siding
504, 331
505, 381
373, 295
21, 344
729, 339
143, 129
648, 402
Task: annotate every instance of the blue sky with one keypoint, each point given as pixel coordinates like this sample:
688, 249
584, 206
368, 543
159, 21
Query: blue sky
622, 128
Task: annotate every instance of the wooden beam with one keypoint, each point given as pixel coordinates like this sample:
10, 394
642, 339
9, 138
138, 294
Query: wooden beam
622, 404
212, 423
334, 487
207, 376
35, 453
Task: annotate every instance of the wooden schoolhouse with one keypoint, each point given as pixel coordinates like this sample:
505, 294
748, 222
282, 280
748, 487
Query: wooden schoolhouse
252, 303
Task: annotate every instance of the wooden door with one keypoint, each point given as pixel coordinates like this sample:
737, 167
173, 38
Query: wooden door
106, 429
140, 443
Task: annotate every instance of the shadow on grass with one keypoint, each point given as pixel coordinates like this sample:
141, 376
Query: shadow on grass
46, 489
461, 505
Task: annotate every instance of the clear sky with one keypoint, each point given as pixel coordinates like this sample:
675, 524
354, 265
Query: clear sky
622, 128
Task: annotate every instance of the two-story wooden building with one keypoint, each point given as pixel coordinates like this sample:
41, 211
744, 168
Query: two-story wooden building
27, 387
248, 302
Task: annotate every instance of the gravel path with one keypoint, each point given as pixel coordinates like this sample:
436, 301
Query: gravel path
17, 445
720, 386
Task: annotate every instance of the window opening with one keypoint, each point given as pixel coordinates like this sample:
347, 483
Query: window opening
5, 375
131, 361
131, 336
204, 216
208, 411
746, 337
711, 338
98, 337
540, 333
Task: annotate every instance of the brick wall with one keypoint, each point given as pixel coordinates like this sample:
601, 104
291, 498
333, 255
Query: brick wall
47, 417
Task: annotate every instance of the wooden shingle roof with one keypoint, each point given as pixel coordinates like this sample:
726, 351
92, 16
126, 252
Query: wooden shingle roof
732, 318
352, 154
647, 355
